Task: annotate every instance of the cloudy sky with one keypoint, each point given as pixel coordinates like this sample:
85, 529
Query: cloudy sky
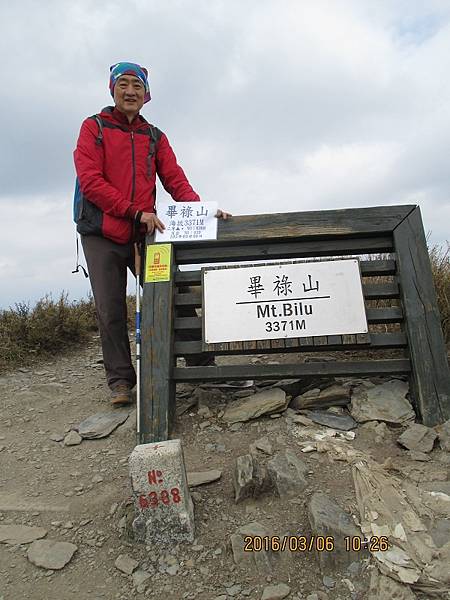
271, 106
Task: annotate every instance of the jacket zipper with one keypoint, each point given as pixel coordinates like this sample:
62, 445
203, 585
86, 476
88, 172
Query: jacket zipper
134, 168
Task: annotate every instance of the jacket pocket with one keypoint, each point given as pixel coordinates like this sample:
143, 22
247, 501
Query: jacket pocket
90, 221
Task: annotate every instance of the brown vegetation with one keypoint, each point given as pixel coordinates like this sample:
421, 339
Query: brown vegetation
440, 266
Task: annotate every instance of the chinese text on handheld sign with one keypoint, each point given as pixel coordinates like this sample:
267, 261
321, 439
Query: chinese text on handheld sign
291, 300
187, 221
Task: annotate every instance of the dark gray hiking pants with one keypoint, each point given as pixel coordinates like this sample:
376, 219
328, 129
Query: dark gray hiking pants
107, 264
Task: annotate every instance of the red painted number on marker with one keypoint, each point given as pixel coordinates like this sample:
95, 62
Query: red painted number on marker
154, 477
152, 500
143, 502
175, 495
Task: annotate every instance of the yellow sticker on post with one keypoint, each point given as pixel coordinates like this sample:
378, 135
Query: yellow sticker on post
157, 263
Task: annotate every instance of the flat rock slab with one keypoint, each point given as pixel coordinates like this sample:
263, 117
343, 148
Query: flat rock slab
328, 519
334, 395
102, 424
341, 422
140, 577
386, 588
126, 564
418, 437
386, 402
20, 534
50, 554
276, 592
419, 456
252, 407
262, 561
201, 477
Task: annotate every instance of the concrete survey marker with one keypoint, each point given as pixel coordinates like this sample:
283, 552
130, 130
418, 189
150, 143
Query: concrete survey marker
162, 500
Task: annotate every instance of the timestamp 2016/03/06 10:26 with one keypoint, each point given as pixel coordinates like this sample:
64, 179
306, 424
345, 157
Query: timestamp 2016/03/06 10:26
319, 543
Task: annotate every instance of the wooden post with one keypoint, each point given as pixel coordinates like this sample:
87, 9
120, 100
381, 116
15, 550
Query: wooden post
430, 375
158, 386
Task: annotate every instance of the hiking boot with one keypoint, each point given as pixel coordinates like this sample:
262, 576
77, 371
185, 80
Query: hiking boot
121, 395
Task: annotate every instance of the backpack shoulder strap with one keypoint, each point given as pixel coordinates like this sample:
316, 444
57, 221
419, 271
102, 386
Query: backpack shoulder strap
154, 134
99, 138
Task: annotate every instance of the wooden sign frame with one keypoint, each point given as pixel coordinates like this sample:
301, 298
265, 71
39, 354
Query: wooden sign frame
402, 282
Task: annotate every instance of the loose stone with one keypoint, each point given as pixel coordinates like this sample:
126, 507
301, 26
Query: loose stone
102, 424
254, 406
386, 402
341, 422
126, 564
264, 445
50, 554
276, 592
72, 439
20, 534
335, 395
329, 520
418, 437
249, 478
288, 473
200, 478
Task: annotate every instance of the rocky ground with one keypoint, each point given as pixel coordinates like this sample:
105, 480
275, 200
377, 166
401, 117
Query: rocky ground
66, 510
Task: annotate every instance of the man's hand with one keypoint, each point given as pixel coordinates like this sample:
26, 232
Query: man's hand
152, 222
221, 214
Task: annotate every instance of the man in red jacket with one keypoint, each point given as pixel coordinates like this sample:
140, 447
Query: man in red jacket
117, 158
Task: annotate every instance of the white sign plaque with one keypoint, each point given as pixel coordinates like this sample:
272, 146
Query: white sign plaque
187, 221
301, 299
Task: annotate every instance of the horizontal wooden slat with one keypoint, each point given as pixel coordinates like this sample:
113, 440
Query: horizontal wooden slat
277, 251
376, 316
188, 299
190, 323
375, 268
378, 341
369, 268
372, 291
368, 221
327, 369
380, 291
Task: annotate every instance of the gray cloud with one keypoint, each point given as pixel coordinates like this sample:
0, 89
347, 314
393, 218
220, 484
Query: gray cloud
269, 106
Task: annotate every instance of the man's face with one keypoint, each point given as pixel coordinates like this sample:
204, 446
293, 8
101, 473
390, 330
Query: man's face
129, 94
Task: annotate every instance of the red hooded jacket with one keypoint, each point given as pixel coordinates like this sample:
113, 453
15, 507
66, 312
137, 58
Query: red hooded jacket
117, 170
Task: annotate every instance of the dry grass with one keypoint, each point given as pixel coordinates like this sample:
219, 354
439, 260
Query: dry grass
49, 328
440, 266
